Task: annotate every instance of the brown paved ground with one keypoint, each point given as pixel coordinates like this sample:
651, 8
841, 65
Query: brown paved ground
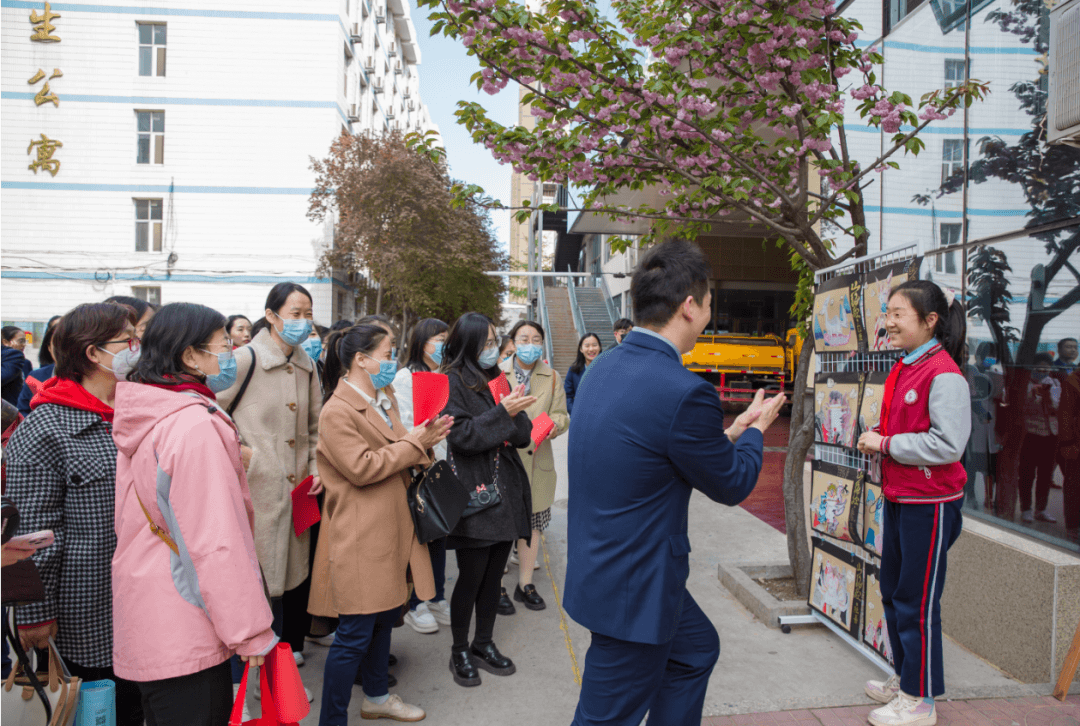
1029, 711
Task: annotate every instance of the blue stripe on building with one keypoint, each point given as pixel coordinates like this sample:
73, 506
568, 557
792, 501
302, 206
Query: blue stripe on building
947, 214
955, 131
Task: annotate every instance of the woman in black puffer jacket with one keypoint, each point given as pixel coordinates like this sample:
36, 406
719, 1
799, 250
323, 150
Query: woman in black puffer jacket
483, 447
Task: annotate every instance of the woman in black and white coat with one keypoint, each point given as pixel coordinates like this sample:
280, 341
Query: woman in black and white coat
483, 448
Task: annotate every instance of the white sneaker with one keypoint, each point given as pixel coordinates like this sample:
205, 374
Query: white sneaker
325, 640
309, 694
298, 657
905, 710
883, 691
514, 559
1027, 516
440, 610
421, 619
393, 708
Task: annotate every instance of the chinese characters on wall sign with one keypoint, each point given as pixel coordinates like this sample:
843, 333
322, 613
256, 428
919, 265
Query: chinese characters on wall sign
46, 147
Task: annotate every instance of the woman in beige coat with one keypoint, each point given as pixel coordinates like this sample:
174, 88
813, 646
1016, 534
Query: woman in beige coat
278, 417
367, 540
527, 367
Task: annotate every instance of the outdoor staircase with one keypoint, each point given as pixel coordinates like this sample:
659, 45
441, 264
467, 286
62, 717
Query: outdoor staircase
594, 313
564, 337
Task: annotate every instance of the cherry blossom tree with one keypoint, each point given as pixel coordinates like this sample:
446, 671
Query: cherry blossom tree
732, 108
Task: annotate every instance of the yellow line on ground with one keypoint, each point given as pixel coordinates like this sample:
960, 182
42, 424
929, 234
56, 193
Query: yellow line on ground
562, 615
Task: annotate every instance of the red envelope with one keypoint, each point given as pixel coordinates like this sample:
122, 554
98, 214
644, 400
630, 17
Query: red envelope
305, 509
542, 426
500, 387
431, 392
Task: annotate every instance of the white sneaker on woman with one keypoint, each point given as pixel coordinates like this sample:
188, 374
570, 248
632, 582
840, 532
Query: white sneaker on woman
883, 691
440, 610
421, 619
905, 710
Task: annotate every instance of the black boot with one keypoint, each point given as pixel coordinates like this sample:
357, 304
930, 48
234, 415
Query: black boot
505, 606
463, 666
488, 657
530, 597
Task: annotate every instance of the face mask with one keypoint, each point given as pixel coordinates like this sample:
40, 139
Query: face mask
489, 357
528, 354
295, 332
124, 362
226, 376
989, 362
313, 347
436, 355
385, 376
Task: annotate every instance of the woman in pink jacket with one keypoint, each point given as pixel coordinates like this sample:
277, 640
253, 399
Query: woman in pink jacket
187, 592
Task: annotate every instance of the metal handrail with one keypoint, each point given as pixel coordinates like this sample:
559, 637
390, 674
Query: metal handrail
607, 299
579, 321
549, 355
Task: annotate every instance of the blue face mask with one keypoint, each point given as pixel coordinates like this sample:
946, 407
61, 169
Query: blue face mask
295, 332
489, 357
436, 355
313, 347
989, 362
385, 376
226, 376
528, 354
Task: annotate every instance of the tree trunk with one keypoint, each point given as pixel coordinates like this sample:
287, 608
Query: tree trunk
378, 299
800, 439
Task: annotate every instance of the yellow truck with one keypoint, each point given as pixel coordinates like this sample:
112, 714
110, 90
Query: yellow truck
737, 365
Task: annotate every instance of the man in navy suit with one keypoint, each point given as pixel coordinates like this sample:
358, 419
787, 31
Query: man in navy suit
645, 433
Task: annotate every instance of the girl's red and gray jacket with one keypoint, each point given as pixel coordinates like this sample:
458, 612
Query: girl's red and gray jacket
926, 423
178, 613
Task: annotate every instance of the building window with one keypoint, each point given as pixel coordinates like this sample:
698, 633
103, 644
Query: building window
617, 302
954, 72
151, 295
952, 157
151, 128
148, 225
949, 235
152, 49
897, 10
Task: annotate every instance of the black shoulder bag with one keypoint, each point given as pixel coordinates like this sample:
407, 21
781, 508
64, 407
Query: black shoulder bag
437, 499
243, 386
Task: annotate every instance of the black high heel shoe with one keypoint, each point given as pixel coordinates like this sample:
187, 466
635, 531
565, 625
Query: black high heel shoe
488, 657
463, 667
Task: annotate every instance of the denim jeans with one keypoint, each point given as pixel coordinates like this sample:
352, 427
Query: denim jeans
362, 643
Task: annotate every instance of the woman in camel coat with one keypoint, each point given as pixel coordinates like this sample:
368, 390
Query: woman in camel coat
367, 540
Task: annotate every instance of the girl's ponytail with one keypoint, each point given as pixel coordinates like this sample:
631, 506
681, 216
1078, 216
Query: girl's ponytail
951, 329
332, 368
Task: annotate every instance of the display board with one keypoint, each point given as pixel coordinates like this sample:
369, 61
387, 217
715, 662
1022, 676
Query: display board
846, 501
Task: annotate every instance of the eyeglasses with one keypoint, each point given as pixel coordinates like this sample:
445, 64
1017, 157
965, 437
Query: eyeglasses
532, 341
228, 346
132, 343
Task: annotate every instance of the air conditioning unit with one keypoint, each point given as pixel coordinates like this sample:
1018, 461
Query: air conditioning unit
391, 49
369, 65
1063, 110
354, 113
380, 15
355, 35
389, 115
377, 86
406, 93
397, 67
410, 105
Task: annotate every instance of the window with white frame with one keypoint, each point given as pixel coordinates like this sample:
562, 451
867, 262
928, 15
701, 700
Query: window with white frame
952, 157
148, 219
152, 49
954, 72
948, 235
149, 294
151, 137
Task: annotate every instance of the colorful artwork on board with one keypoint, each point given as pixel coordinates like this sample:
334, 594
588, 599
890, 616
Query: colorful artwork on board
836, 585
835, 316
833, 498
870, 403
875, 633
836, 408
872, 518
879, 284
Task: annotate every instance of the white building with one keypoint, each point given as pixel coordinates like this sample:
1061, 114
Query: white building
184, 132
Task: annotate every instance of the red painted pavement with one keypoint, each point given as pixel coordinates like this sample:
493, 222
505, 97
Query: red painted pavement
1028, 711
767, 500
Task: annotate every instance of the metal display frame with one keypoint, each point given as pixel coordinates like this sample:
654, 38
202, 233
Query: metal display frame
855, 362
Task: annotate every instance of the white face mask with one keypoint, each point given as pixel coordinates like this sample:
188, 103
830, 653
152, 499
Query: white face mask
124, 362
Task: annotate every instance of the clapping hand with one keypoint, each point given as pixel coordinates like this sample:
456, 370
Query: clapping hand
516, 401
760, 415
432, 432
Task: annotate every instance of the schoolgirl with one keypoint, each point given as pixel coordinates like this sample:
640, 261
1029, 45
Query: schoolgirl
925, 424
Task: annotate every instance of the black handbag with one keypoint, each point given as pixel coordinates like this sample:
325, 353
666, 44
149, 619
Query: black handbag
482, 496
437, 499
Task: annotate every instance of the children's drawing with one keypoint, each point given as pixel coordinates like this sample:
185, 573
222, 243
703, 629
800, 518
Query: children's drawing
832, 494
873, 514
836, 403
870, 403
834, 321
875, 632
836, 589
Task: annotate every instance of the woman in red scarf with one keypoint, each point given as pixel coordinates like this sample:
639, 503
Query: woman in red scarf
61, 473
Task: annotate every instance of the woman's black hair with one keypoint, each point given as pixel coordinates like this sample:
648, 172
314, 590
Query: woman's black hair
322, 330
579, 362
505, 341
232, 320
140, 306
1045, 358
951, 329
421, 333
174, 329
45, 357
53, 321
279, 293
464, 344
9, 332
381, 320
341, 347
531, 323
341, 325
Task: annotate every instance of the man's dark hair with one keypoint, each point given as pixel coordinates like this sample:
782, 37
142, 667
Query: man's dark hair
86, 325
1063, 341
174, 329
667, 275
622, 324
